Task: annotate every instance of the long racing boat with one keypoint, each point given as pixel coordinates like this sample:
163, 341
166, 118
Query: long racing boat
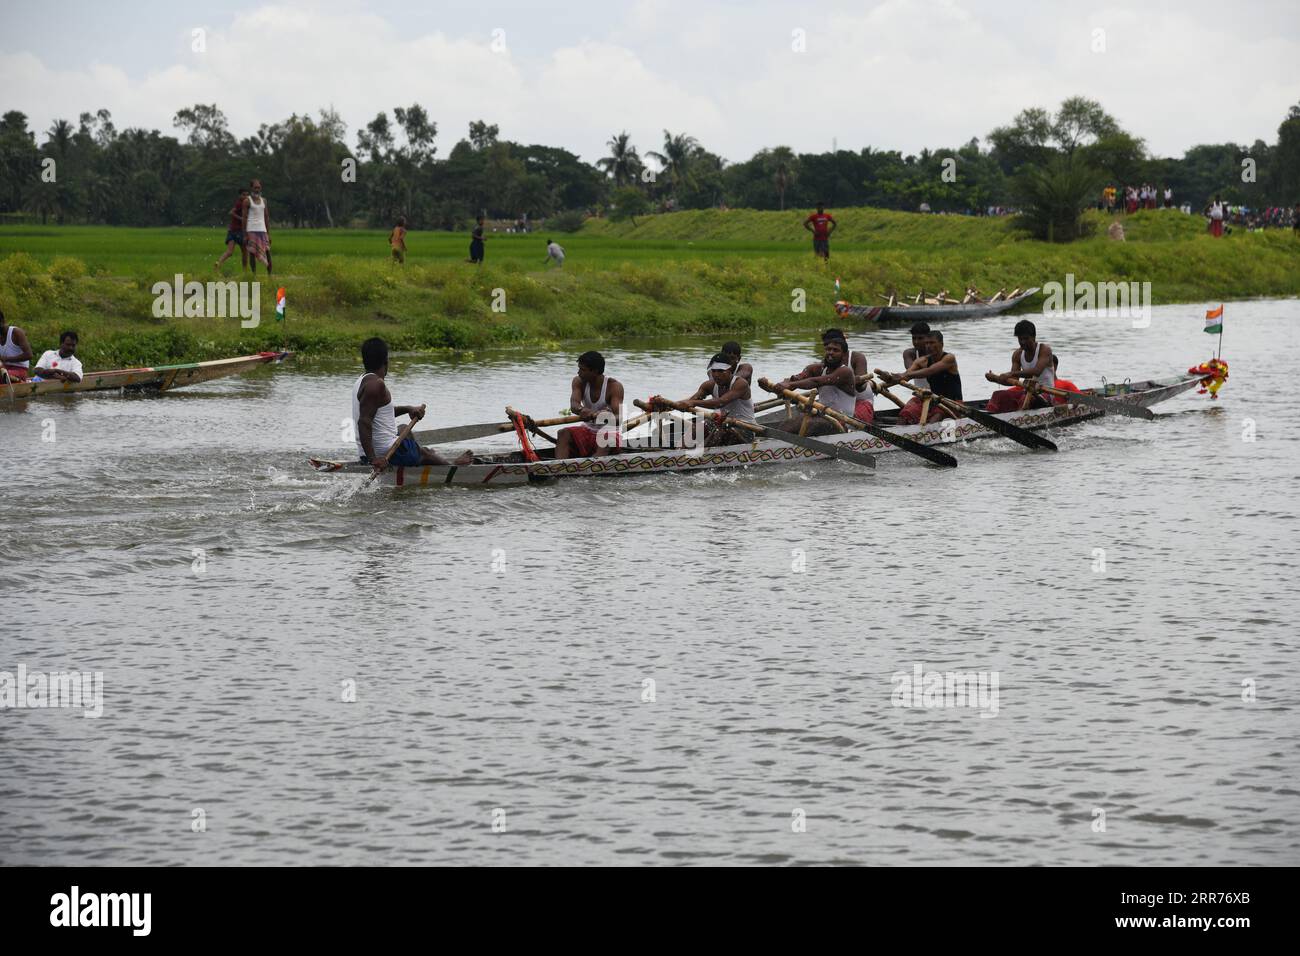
162, 378
512, 469
904, 312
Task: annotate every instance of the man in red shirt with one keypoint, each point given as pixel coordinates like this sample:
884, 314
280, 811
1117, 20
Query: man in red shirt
821, 224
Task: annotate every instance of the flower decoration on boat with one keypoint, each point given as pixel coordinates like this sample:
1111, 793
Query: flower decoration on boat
1214, 373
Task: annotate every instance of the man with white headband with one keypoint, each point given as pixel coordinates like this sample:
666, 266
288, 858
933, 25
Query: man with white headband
729, 394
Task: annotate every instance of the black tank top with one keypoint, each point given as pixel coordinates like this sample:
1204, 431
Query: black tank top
947, 384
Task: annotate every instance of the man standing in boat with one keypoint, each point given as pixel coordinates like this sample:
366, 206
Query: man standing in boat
935, 370
821, 224
374, 417
598, 400
1032, 360
730, 395
836, 386
15, 352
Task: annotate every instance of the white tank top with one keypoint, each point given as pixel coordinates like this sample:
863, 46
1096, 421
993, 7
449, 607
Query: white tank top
1216, 210
832, 396
383, 429
918, 382
1047, 376
256, 215
741, 408
599, 405
9, 352
860, 388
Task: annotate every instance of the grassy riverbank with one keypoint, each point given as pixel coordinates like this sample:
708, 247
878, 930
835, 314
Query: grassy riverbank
731, 273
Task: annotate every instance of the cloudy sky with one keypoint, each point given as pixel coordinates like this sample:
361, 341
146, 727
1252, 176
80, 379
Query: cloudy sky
890, 74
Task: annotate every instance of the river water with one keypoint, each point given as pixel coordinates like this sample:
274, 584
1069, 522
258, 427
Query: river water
661, 670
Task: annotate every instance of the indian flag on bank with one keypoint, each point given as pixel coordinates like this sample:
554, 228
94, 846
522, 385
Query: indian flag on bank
1213, 320
279, 304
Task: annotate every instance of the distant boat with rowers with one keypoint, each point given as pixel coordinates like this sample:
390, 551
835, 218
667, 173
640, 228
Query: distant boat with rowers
929, 307
511, 468
161, 378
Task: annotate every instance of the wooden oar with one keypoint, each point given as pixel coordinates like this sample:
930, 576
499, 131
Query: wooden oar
1096, 401
458, 433
1014, 432
880, 389
812, 444
898, 441
401, 437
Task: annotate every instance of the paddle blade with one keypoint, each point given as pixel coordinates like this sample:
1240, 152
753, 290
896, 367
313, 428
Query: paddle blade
1109, 406
915, 447
822, 448
1017, 434
459, 433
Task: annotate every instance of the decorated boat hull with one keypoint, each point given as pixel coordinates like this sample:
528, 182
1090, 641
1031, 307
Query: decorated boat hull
503, 470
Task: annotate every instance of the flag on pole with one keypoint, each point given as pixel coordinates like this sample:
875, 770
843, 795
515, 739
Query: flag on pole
1214, 321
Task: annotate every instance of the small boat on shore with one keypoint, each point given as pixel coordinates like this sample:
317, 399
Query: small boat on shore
512, 469
931, 308
162, 378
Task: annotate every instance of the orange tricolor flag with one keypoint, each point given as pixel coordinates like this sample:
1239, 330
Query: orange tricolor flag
1214, 320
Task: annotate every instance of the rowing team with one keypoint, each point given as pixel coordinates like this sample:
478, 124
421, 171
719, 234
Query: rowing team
842, 380
59, 364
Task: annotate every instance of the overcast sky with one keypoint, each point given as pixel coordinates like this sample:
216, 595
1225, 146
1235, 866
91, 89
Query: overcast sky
894, 74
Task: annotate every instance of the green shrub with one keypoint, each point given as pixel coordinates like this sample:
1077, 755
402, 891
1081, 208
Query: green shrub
456, 299
570, 220
651, 283
438, 333
28, 281
348, 283
65, 269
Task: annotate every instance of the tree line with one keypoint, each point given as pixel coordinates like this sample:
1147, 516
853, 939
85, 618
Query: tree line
92, 172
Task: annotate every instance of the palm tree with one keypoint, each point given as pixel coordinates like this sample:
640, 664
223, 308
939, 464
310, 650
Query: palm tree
676, 159
42, 199
784, 166
622, 163
60, 138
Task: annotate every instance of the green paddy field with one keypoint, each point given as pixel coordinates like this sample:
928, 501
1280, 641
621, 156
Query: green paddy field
732, 273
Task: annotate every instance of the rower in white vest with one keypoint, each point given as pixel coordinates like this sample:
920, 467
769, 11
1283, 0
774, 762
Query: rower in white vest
598, 400
730, 396
374, 418
835, 383
15, 352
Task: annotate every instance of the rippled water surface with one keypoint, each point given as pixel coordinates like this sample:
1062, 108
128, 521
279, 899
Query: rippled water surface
501, 642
